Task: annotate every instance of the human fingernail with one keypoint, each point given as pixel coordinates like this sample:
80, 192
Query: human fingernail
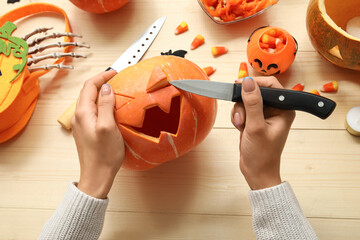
238, 80
248, 84
105, 89
237, 119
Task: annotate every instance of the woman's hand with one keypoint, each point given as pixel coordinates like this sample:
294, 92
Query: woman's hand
263, 133
98, 140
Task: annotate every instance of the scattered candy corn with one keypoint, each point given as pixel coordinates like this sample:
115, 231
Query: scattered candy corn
243, 70
330, 87
217, 51
197, 42
298, 87
209, 70
315, 92
181, 28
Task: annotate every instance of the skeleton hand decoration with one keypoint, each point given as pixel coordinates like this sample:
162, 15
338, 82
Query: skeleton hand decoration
36, 48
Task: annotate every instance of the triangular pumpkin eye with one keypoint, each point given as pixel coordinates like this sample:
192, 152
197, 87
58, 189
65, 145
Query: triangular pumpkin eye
158, 79
120, 101
0, 73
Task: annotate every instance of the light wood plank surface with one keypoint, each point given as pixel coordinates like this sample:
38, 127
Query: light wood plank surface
201, 195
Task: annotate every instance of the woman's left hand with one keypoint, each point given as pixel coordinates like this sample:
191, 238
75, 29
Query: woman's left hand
98, 140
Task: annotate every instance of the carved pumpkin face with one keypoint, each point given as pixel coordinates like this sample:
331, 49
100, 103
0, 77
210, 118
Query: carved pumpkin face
158, 121
271, 50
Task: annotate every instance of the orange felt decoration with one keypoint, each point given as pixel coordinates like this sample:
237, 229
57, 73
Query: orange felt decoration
102, 6
19, 88
165, 123
262, 55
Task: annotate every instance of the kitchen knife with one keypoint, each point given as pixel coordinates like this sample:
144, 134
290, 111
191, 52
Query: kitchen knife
131, 56
135, 52
273, 97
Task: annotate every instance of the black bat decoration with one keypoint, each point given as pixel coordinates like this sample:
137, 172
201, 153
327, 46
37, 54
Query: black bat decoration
178, 53
12, 1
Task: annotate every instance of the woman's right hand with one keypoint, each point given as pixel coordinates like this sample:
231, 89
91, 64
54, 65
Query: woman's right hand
263, 134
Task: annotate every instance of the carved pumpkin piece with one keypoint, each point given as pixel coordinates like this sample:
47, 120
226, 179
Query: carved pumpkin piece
158, 121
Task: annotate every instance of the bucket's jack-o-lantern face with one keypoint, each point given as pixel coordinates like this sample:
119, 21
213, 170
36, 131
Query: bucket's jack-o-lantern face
271, 69
158, 121
271, 50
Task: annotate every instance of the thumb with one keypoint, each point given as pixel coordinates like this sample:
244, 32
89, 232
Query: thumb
253, 103
106, 105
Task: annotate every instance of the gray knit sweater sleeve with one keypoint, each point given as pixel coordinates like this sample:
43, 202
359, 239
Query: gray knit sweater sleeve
78, 216
278, 215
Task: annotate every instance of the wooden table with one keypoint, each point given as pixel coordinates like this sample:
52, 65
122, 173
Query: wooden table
201, 195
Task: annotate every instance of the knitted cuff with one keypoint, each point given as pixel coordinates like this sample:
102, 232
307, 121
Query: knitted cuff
85, 202
78, 216
278, 215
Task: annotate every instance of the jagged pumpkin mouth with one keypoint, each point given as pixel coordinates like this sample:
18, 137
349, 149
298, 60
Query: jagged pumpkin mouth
157, 121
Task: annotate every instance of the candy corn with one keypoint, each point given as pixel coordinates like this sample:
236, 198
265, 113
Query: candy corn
268, 39
217, 51
243, 70
197, 42
272, 41
209, 70
315, 92
298, 87
183, 27
330, 87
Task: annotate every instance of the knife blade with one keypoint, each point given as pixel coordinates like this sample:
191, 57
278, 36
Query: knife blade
130, 57
137, 50
273, 97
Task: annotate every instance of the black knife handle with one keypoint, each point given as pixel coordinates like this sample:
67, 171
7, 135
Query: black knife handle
292, 100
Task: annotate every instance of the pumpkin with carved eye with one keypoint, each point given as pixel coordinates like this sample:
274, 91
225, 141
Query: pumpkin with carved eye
158, 121
271, 50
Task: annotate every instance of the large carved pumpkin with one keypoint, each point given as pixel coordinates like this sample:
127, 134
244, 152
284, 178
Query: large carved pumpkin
158, 121
101, 6
326, 22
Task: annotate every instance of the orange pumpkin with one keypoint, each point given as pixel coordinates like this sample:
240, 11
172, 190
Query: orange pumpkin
326, 23
158, 121
102, 6
271, 50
